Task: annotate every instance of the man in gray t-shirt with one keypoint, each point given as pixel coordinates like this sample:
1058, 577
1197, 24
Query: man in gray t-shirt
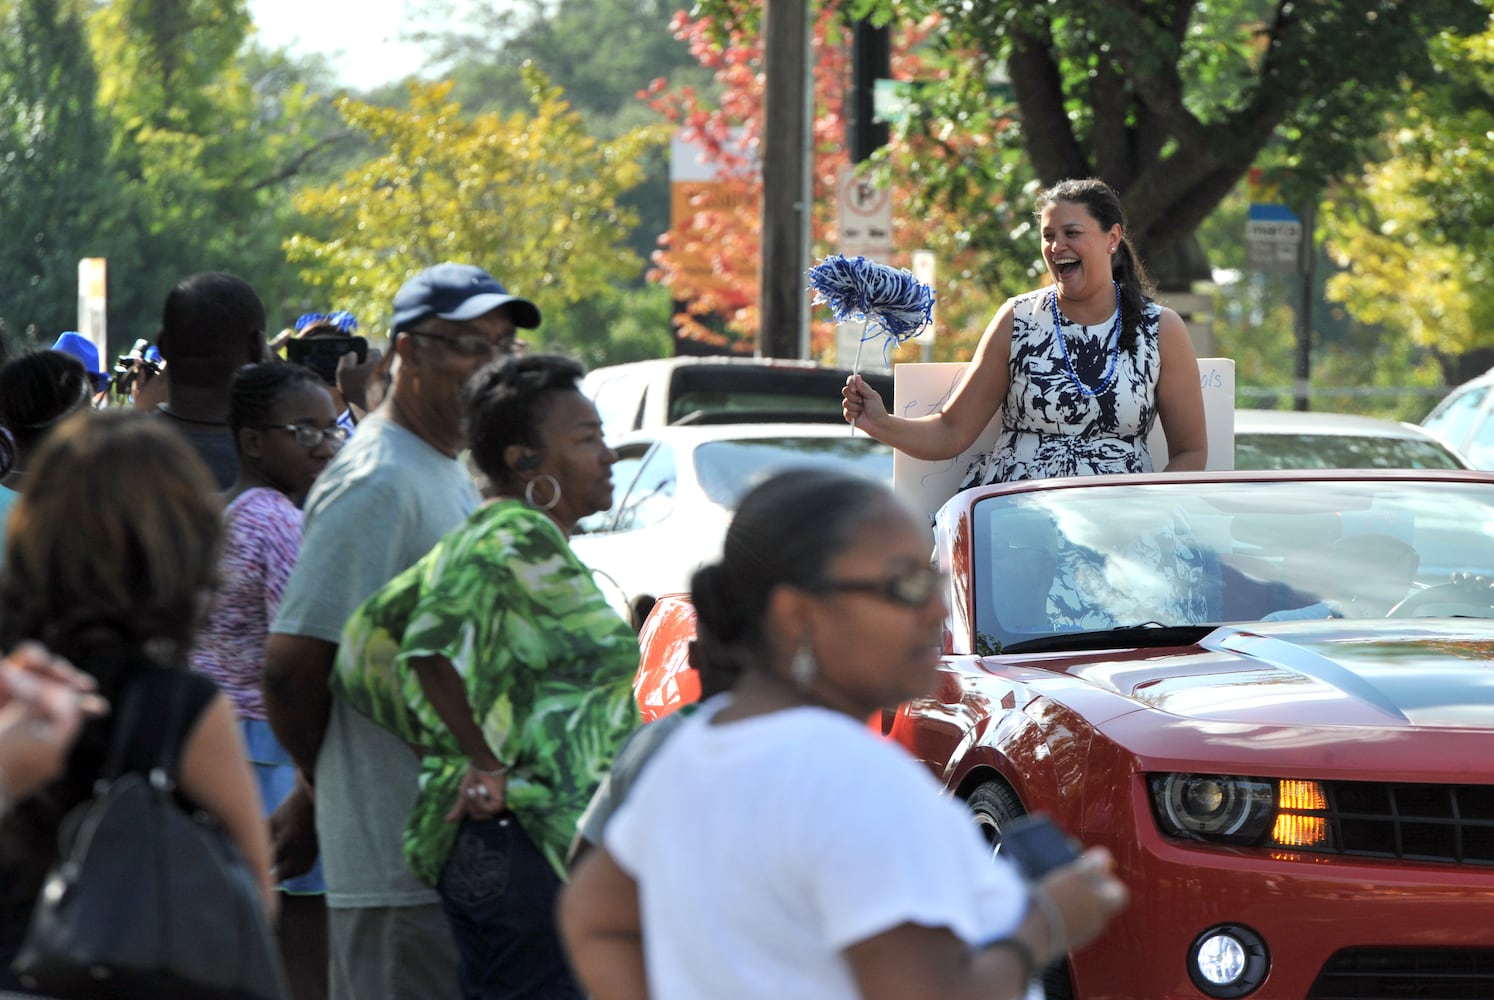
385, 500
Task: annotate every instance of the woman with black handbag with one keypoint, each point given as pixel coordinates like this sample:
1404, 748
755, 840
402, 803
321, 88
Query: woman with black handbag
110, 562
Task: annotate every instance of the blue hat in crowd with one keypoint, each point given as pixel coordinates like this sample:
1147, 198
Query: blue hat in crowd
457, 292
74, 343
341, 320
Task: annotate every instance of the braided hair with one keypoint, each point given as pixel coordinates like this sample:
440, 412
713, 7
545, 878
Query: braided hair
256, 390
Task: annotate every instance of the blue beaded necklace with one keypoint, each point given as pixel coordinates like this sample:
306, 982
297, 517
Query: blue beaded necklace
1115, 333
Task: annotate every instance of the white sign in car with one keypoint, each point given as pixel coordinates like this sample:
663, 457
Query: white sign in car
920, 389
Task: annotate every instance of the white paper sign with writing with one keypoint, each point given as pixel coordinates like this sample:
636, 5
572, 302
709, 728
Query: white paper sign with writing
921, 389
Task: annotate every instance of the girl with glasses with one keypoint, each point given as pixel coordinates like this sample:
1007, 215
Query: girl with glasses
285, 430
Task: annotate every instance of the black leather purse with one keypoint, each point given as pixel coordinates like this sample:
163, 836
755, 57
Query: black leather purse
147, 899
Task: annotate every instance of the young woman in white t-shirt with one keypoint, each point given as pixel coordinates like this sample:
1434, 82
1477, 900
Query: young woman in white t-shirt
774, 847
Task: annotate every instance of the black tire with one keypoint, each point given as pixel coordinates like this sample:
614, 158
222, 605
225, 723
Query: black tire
994, 805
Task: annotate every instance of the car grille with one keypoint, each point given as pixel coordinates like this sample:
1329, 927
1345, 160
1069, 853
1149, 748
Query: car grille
1453, 824
1399, 973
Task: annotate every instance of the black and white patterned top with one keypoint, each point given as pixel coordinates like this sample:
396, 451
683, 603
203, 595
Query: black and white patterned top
1060, 420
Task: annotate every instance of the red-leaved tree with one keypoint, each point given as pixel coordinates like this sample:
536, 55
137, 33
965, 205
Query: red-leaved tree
710, 262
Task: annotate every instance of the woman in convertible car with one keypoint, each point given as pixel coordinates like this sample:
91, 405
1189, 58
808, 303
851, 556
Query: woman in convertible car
774, 846
1078, 370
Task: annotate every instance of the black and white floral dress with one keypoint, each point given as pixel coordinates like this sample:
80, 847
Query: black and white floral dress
1067, 412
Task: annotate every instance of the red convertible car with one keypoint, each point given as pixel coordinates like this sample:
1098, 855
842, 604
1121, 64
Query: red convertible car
1270, 695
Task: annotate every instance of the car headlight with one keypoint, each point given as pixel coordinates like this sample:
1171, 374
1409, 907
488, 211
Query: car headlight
1215, 807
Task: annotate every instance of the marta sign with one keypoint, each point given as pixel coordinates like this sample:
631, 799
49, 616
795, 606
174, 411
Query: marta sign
1273, 239
1273, 232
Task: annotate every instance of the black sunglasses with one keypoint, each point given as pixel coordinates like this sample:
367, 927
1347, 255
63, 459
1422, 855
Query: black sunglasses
910, 590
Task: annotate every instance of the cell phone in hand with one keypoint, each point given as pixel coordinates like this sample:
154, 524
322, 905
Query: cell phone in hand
1036, 846
321, 354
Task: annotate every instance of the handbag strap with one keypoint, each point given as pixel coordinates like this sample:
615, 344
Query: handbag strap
127, 725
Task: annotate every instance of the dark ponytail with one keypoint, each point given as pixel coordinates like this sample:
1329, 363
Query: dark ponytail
1103, 204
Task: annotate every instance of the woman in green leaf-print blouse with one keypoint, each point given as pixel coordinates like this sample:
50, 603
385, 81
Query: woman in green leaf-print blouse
499, 661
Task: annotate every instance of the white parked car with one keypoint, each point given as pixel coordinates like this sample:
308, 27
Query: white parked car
1293, 439
675, 488
1465, 420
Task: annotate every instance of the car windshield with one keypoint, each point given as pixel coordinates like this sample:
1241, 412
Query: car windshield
1338, 451
728, 469
1057, 562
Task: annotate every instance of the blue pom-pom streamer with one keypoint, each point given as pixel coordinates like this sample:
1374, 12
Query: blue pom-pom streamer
892, 302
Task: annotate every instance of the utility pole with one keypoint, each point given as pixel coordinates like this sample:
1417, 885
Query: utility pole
788, 102
871, 60
1302, 382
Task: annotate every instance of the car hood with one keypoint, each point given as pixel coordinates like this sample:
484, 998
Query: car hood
1379, 673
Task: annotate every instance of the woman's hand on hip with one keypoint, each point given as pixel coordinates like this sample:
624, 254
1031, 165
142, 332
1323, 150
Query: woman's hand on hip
482, 795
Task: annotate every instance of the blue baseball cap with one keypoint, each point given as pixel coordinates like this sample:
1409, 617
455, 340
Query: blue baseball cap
457, 292
74, 343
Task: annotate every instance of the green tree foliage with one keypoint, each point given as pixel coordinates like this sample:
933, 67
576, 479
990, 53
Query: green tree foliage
1415, 234
532, 197
601, 53
1171, 101
1356, 366
207, 132
57, 197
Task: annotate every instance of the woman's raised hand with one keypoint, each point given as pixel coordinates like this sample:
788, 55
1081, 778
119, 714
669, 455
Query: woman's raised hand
861, 404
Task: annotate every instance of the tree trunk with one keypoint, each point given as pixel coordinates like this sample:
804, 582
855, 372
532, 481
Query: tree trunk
1175, 266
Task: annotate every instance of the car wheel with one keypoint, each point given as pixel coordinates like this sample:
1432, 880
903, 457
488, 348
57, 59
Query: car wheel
994, 806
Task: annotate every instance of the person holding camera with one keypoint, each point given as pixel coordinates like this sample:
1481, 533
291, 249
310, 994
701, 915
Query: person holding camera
327, 343
140, 376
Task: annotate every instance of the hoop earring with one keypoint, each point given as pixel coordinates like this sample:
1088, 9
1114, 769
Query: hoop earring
802, 668
529, 492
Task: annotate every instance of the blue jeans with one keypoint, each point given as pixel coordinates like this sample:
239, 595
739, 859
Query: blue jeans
498, 893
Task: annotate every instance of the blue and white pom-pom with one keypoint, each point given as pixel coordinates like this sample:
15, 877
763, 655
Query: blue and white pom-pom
892, 302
